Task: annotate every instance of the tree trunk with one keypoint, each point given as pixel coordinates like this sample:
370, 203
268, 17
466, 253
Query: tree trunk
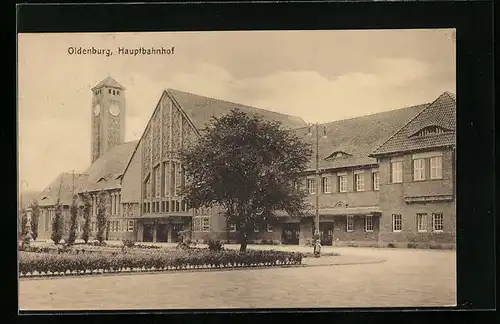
243, 241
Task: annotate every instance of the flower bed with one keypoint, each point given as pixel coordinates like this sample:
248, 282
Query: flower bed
41, 264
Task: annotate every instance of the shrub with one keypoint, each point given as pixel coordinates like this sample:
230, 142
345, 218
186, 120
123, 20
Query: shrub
128, 243
57, 224
309, 242
86, 209
391, 245
35, 217
174, 259
435, 246
412, 245
215, 245
73, 220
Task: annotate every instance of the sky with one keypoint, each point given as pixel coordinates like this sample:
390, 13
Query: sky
320, 76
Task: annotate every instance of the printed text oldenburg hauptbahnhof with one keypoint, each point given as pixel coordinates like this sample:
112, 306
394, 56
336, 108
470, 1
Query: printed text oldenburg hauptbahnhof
133, 51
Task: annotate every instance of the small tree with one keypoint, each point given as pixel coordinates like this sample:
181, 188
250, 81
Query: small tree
57, 223
73, 220
25, 230
35, 217
248, 167
102, 208
86, 209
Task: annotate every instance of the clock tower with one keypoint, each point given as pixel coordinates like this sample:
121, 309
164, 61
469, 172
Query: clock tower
108, 117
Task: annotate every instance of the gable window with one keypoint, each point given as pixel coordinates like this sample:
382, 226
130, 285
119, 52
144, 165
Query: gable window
343, 183
422, 222
325, 185
205, 224
311, 186
396, 222
437, 222
397, 171
269, 228
350, 223
418, 169
232, 227
359, 180
369, 223
376, 180
436, 167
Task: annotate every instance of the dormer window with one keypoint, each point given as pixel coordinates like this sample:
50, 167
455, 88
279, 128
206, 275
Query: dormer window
431, 130
337, 155
101, 179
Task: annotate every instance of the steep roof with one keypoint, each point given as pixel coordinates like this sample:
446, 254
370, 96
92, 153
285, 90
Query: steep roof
440, 114
109, 82
62, 187
354, 138
200, 109
105, 172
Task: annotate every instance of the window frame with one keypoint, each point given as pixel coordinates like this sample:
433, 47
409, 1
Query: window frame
256, 228
205, 227
369, 217
377, 187
270, 228
395, 217
325, 185
440, 176
343, 185
434, 215
232, 227
422, 222
350, 217
419, 172
397, 171
311, 189
130, 225
359, 182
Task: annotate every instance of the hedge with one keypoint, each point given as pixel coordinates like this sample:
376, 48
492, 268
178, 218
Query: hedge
59, 264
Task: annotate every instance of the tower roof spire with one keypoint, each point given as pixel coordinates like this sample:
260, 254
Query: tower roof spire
109, 82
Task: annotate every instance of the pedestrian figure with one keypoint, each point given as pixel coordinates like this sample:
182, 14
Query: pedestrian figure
317, 248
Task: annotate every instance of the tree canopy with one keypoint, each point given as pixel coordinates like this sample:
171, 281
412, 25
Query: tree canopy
248, 166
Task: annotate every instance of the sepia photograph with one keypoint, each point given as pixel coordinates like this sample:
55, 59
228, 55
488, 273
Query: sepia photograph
237, 170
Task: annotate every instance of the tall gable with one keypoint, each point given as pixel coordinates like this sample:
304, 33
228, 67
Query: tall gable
200, 109
434, 127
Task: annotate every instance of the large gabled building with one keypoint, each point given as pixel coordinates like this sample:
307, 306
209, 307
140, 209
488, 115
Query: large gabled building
381, 178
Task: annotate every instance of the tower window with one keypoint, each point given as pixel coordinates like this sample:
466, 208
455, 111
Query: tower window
117, 92
109, 91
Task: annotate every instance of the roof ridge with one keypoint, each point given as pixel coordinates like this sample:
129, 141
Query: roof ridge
407, 123
232, 102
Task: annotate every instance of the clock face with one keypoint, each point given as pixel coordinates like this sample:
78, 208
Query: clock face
97, 110
114, 109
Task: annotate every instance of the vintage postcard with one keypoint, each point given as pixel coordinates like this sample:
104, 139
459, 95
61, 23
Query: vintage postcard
320, 165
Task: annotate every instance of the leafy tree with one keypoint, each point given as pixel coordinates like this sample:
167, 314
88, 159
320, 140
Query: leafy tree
35, 217
86, 209
57, 223
73, 220
102, 208
248, 167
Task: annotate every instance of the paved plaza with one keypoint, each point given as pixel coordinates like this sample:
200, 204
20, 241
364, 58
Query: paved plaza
406, 278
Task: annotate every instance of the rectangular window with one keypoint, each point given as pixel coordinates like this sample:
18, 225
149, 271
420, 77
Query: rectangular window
165, 173
437, 222
369, 223
130, 225
205, 224
325, 185
396, 223
157, 178
418, 169
232, 227
343, 183
311, 186
256, 228
397, 171
350, 223
177, 183
269, 228
376, 181
422, 222
359, 179
436, 167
